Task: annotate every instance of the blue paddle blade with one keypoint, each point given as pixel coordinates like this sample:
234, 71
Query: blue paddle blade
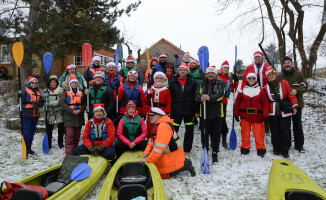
203, 56
81, 172
116, 58
204, 162
233, 140
45, 145
47, 61
179, 56
236, 55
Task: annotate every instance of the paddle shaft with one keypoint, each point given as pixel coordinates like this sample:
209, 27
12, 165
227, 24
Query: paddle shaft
204, 124
234, 84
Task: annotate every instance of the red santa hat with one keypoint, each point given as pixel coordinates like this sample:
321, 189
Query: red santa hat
70, 66
130, 59
110, 64
211, 69
194, 61
183, 65
225, 64
31, 78
159, 74
154, 59
99, 107
133, 72
270, 69
258, 53
99, 74
72, 79
130, 104
251, 74
96, 58
162, 55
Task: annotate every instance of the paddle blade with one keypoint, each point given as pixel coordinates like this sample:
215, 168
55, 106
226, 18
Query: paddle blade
119, 46
233, 140
179, 58
45, 145
87, 54
236, 55
116, 58
81, 172
203, 56
18, 52
148, 60
204, 162
47, 61
24, 152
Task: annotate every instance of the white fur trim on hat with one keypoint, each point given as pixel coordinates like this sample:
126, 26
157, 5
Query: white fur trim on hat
133, 72
110, 63
71, 66
183, 66
98, 58
99, 107
251, 75
227, 66
157, 111
211, 69
159, 74
31, 79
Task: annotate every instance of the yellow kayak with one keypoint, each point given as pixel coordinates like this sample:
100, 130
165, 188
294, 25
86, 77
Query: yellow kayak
56, 179
130, 178
288, 182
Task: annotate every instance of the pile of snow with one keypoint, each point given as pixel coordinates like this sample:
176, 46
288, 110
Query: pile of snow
233, 177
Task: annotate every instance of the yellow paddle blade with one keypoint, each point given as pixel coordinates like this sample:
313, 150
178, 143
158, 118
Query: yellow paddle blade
18, 52
148, 61
24, 152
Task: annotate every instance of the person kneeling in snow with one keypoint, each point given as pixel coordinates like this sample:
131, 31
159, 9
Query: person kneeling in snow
99, 135
164, 147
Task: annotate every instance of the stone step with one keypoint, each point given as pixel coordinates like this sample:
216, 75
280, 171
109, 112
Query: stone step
14, 124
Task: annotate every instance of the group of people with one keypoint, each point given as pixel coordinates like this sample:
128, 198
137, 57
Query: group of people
122, 116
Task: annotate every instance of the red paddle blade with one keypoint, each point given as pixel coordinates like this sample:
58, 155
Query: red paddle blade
87, 54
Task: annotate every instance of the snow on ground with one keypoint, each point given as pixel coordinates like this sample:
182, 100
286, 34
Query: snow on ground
233, 177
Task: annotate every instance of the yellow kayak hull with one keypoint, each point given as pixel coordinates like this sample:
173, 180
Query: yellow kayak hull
285, 177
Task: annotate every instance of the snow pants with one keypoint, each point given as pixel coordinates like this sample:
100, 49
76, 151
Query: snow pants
121, 147
107, 153
29, 129
72, 138
259, 133
189, 134
297, 130
281, 133
212, 128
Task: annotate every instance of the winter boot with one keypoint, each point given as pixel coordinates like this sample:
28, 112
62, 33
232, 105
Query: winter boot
188, 166
244, 151
224, 143
29, 149
261, 152
214, 157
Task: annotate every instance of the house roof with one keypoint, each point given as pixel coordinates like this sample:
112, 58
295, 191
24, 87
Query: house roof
163, 40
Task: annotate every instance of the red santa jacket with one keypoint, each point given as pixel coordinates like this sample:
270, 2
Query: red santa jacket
251, 104
284, 93
226, 78
110, 133
253, 69
161, 97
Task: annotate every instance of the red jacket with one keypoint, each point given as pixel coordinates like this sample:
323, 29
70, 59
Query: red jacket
250, 99
161, 98
110, 133
225, 78
253, 69
284, 93
140, 138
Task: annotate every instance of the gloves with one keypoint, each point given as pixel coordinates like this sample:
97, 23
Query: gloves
235, 78
237, 118
46, 94
90, 148
46, 104
99, 148
35, 105
149, 92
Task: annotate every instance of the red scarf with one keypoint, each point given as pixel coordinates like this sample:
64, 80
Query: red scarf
111, 76
182, 81
98, 121
168, 75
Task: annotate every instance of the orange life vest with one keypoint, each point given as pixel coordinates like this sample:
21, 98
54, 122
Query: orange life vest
74, 100
30, 98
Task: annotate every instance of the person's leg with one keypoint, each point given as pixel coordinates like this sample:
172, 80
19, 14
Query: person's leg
77, 135
245, 136
214, 128
108, 153
225, 129
141, 145
61, 131
297, 130
275, 134
80, 150
187, 166
189, 134
259, 134
49, 130
177, 120
120, 148
285, 134
70, 140
26, 130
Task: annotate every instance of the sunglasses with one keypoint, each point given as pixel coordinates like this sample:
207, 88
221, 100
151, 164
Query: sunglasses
33, 83
130, 63
163, 57
251, 78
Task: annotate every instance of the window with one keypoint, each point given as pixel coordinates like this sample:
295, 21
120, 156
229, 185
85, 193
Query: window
104, 59
5, 54
78, 61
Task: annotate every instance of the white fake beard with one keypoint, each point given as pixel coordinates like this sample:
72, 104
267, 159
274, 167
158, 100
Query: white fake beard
158, 84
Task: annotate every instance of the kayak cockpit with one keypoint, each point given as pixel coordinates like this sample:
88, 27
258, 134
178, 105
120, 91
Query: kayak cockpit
302, 195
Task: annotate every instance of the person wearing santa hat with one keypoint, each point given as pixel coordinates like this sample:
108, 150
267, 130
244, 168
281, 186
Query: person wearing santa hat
112, 78
186, 59
195, 71
31, 102
71, 69
99, 135
183, 105
100, 93
211, 91
229, 87
160, 67
151, 72
131, 131
130, 65
131, 90
282, 105
169, 72
158, 95
73, 102
95, 66
252, 106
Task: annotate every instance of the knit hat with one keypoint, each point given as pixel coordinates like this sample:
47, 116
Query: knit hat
154, 59
53, 77
194, 61
130, 104
130, 59
96, 58
251, 74
72, 79
287, 58
70, 66
99, 74
258, 53
110, 63
183, 66
225, 64
159, 74
211, 69
157, 111
162, 55
99, 107
270, 69
31, 78
133, 72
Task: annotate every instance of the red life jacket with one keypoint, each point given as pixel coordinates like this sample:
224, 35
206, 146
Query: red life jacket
12, 187
74, 100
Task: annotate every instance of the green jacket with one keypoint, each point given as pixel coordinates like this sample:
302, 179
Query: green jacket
197, 74
297, 81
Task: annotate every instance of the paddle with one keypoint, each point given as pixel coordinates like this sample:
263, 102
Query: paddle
87, 54
149, 77
179, 58
81, 172
47, 62
233, 135
18, 54
203, 55
116, 60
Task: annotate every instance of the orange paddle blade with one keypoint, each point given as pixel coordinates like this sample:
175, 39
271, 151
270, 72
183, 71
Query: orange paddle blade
24, 152
148, 61
18, 52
